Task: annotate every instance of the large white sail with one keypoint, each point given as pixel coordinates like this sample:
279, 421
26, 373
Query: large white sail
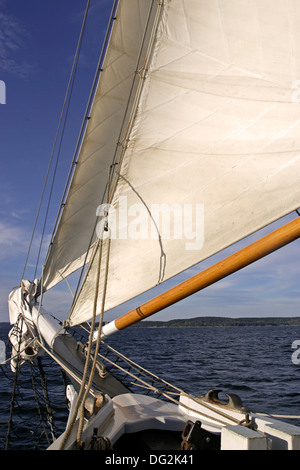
215, 138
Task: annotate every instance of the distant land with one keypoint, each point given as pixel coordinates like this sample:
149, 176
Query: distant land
198, 322
220, 322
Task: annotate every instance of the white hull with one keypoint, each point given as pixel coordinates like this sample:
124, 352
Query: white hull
152, 424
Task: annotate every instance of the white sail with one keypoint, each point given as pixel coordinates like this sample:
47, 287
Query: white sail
103, 131
215, 138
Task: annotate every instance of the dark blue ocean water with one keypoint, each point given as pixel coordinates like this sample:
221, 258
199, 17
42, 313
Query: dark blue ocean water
253, 362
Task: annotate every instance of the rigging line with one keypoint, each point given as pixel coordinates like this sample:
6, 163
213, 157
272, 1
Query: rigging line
66, 104
86, 114
81, 403
141, 370
43, 378
70, 371
137, 366
77, 290
131, 110
68, 284
163, 257
79, 400
166, 394
38, 406
81, 417
278, 416
47, 173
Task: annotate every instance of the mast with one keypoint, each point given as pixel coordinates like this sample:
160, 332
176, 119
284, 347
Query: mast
242, 258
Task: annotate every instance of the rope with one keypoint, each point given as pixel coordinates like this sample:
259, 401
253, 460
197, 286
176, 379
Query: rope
85, 389
85, 372
38, 404
140, 368
46, 398
68, 92
278, 416
44, 414
62, 364
67, 98
80, 425
130, 110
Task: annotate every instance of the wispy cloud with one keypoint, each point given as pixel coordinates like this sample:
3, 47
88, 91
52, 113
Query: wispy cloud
12, 240
19, 214
13, 35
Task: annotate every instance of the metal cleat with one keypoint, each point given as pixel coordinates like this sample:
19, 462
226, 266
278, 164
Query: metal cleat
234, 401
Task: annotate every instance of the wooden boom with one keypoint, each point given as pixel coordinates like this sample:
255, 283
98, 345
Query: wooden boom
257, 250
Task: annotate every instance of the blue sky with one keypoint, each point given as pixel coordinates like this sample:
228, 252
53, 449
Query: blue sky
37, 44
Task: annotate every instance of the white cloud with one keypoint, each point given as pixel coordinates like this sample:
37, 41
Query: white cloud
12, 240
19, 214
12, 39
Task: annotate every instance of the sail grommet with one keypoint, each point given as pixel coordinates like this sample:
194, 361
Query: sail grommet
29, 352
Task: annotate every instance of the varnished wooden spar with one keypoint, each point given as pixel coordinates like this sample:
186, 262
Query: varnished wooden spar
257, 250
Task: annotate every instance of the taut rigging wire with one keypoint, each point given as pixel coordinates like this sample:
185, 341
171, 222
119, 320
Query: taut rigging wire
66, 105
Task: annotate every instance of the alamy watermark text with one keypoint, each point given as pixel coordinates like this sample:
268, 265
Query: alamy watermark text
159, 221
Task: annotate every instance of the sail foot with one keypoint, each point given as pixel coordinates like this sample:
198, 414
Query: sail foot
242, 258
